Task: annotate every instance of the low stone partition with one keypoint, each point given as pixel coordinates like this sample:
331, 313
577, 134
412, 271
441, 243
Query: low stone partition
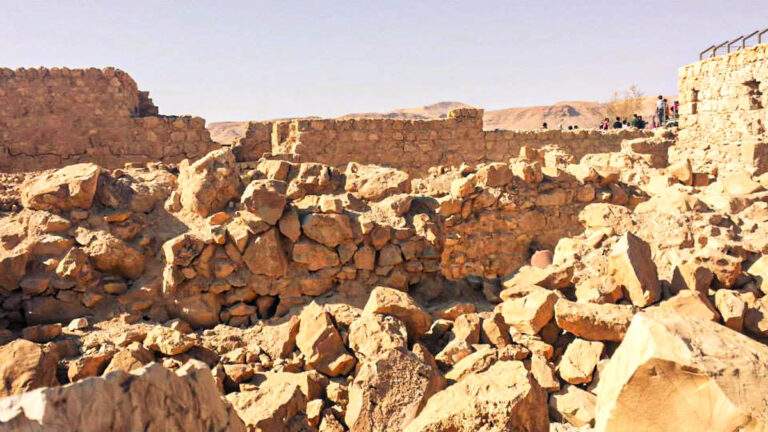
416, 145
50, 118
219, 245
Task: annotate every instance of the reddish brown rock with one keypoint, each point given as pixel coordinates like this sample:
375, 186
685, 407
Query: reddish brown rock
265, 255
71, 187
389, 301
25, 366
265, 199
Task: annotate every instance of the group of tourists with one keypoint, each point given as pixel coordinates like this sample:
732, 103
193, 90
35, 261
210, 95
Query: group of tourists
666, 115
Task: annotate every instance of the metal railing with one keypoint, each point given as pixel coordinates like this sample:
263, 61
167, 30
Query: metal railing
735, 44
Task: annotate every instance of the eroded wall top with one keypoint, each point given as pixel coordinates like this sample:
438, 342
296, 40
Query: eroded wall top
54, 117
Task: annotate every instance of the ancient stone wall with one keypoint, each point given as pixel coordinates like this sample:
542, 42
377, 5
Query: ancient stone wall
53, 117
416, 145
722, 109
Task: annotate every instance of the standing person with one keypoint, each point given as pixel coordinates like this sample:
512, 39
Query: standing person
661, 110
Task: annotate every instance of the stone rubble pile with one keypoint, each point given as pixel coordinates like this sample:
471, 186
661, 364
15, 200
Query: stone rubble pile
614, 293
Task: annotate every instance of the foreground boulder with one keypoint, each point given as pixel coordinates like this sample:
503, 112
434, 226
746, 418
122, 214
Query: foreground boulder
389, 391
673, 373
631, 265
152, 399
503, 398
25, 366
595, 322
320, 342
71, 187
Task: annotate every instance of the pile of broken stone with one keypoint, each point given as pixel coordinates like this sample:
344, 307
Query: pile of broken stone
295, 296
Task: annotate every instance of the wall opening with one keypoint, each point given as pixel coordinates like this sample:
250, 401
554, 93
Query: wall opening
754, 94
694, 101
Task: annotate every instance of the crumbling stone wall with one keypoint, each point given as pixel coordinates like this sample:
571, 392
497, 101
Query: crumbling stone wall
53, 117
416, 145
722, 110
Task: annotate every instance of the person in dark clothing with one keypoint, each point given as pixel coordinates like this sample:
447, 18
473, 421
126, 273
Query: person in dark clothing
661, 110
544, 125
617, 123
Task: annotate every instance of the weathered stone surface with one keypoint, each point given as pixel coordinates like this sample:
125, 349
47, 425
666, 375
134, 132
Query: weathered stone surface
314, 255
686, 369
631, 266
186, 400
389, 301
130, 358
388, 392
64, 189
374, 183
372, 334
13, 266
265, 199
168, 341
25, 366
595, 322
573, 405
579, 361
207, 185
265, 255
112, 255
529, 313
272, 407
328, 229
485, 402
181, 250
320, 342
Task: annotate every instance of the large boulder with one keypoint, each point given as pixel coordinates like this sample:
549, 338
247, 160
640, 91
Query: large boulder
372, 334
328, 229
503, 398
207, 185
13, 267
374, 183
25, 366
673, 373
71, 187
529, 313
388, 392
265, 255
152, 398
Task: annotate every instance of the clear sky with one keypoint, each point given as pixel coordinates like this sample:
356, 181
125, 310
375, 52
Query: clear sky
236, 60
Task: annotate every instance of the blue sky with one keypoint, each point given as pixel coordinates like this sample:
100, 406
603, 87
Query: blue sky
236, 60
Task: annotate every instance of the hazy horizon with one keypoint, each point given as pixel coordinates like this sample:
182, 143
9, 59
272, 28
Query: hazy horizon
262, 60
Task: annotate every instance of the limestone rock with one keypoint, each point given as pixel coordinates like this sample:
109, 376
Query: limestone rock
181, 250
185, 400
328, 229
265, 255
168, 341
688, 370
25, 366
13, 267
320, 342
485, 402
71, 187
595, 322
388, 392
372, 334
632, 267
314, 255
112, 255
574, 405
389, 301
579, 361
134, 356
529, 313
374, 183
265, 199
206, 186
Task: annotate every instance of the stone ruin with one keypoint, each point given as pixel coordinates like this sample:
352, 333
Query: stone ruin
382, 275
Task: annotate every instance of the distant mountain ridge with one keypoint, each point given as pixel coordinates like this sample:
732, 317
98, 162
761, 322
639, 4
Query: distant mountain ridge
584, 114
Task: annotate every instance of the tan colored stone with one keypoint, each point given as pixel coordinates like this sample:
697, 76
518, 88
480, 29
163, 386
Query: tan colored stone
25, 366
320, 342
168, 341
632, 267
314, 255
574, 405
389, 301
265, 199
686, 369
595, 322
579, 361
265, 255
731, 308
372, 334
328, 229
374, 183
529, 313
474, 403
64, 189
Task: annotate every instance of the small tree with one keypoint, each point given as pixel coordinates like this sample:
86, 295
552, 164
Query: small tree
624, 103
